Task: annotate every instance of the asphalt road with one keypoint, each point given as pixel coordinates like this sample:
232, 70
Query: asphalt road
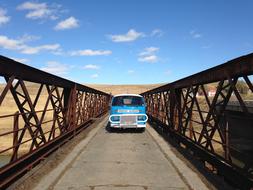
119, 161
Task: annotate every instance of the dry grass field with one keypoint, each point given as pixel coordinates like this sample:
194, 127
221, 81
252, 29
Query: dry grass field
121, 89
8, 107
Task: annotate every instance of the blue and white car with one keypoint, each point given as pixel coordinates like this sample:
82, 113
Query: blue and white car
128, 111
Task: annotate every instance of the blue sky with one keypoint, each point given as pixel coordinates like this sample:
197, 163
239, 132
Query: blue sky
125, 42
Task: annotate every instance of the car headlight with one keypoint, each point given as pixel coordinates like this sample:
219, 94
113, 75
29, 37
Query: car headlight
115, 118
141, 118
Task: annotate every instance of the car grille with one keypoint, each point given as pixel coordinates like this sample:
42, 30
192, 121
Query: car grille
128, 120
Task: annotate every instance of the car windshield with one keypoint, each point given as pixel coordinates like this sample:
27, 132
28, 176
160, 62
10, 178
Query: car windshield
128, 101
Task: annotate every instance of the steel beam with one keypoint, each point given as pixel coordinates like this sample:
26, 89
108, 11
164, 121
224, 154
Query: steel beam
198, 122
65, 112
9, 67
235, 68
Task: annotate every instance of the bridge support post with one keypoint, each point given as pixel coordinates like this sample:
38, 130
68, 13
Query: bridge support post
178, 107
15, 136
66, 93
70, 107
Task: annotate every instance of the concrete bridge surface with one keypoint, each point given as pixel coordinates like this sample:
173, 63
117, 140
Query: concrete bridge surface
121, 160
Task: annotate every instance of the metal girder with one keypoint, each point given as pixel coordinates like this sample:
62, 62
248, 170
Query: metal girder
231, 173
237, 67
200, 123
67, 108
9, 67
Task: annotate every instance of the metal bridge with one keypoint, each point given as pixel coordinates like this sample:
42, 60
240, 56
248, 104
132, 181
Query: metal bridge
210, 128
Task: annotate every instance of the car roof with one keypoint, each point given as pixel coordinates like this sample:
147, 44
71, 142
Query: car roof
127, 95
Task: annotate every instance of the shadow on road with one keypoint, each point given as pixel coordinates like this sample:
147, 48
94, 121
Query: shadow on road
215, 181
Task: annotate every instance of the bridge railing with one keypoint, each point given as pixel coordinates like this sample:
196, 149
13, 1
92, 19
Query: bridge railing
38, 113
210, 113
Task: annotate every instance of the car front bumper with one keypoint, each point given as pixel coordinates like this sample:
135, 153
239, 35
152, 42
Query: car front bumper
127, 121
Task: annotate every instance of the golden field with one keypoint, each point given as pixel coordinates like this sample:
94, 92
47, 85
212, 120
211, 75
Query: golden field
123, 89
9, 107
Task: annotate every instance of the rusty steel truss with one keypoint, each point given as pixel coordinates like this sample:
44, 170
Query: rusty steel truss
185, 111
46, 118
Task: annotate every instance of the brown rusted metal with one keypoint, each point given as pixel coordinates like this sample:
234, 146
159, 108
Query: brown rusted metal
15, 137
200, 123
67, 109
9, 67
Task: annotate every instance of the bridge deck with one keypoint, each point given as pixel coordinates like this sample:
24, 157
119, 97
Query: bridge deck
128, 160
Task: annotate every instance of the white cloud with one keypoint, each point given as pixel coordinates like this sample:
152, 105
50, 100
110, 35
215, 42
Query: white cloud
28, 38
19, 45
149, 55
94, 76
37, 49
39, 10
91, 66
3, 17
157, 32
21, 60
89, 52
32, 6
148, 59
149, 51
131, 35
56, 68
195, 34
130, 71
8, 43
68, 23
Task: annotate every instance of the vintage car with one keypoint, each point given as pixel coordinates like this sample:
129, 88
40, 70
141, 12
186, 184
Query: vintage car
128, 111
